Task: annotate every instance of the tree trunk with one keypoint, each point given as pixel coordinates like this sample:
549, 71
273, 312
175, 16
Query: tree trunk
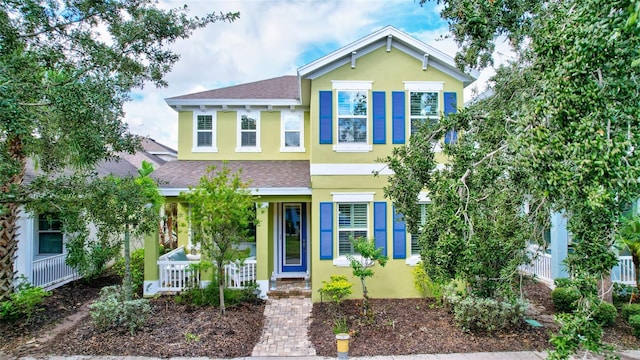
221, 287
8, 218
128, 287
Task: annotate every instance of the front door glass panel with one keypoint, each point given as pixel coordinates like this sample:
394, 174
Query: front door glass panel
293, 235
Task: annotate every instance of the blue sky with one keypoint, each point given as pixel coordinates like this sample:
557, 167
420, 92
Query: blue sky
272, 38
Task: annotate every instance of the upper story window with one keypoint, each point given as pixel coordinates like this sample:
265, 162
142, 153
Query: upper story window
292, 132
352, 109
423, 107
248, 131
204, 127
352, 117
352, 224
49, 234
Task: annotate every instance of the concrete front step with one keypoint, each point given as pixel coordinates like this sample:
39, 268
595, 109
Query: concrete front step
287, 288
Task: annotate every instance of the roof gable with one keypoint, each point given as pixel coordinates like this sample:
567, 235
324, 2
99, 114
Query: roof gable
392, 39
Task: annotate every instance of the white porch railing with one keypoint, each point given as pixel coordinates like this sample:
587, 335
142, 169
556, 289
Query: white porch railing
540, 264
625, 272
52, 272
239, 275
177, 275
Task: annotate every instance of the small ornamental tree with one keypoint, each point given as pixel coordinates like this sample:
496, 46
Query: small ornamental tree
222, 214
362, 265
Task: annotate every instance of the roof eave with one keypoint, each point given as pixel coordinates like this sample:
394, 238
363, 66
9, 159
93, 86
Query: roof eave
232, 102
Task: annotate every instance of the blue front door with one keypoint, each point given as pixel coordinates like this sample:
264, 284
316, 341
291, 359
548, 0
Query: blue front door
294, 238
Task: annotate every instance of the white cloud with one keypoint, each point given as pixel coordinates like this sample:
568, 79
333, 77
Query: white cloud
271, 38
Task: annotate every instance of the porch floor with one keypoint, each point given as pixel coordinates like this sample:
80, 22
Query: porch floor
286, 288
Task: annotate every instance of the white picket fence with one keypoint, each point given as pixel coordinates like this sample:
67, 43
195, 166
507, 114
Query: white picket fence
52, 272
540, 266
240, 275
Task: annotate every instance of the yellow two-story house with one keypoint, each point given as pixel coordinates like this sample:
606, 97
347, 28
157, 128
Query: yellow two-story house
309, 143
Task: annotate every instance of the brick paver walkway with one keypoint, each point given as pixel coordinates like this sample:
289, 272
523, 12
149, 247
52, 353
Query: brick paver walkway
287, 321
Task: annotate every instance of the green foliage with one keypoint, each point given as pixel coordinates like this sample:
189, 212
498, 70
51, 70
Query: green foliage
565, 299
223, 212
362, 266
562, 282
137, 268
424, 284
577, 332
634, 322
113, 310
483, 314
24, 302
622, 293
210, 296
340, 325
605, 314
64, 86
336, 290
629, 310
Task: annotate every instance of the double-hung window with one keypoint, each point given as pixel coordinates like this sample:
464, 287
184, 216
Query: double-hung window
352, 109
248, 132
204, 132
352, 116
352, 224
292, 132
424, 108
49, 234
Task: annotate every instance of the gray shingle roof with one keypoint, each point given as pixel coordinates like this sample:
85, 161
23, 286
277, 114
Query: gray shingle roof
262, 173
283, 87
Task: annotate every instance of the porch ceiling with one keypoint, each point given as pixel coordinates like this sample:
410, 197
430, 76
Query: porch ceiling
261, 173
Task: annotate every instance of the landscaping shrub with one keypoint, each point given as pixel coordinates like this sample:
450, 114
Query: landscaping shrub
622, 293
24, 302
605, 314
336, 290
629, 310
564, 299
634, 322
424, 284
137, 268
112, 310
210, 296
484, 314
562, 282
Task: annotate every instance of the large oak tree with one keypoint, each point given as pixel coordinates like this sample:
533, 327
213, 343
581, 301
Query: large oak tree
66, 69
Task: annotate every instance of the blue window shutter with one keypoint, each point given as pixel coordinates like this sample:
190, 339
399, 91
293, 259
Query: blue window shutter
450, 107
380, 225
399, 236
326, 117
326, 230
398, 120
379, 117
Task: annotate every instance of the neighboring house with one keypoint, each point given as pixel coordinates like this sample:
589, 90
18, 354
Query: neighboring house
41, 244
309, 144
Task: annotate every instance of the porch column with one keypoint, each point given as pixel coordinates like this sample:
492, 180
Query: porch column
262, 247
151, 255
559, 245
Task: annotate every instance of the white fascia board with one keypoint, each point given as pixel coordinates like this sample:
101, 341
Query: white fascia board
349, 169
232, 102
398, 39
172, 192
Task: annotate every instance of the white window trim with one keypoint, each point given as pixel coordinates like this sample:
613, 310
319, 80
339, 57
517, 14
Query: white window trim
351, 85
353, 197
414, 259
283, 147
352, 148
423, 86
36, 239
343, 260
214, 128
241, 148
